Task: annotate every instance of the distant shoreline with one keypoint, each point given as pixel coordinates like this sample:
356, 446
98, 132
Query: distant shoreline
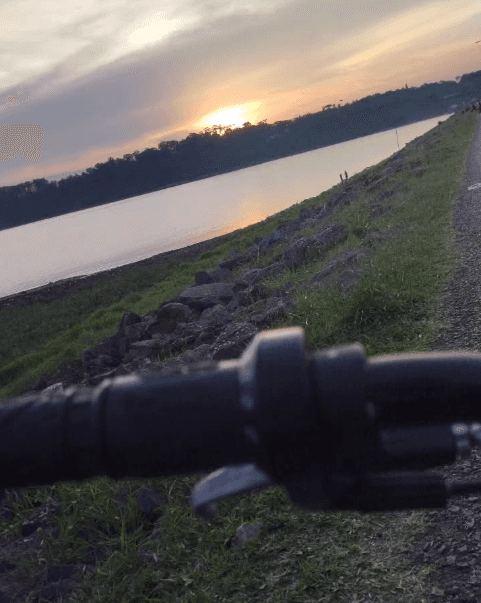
254, 163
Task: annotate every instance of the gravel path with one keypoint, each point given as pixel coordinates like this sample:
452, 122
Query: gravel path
461, 298
453, 542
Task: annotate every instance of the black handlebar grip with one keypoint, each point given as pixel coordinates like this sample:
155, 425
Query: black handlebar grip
128, 426
424, 388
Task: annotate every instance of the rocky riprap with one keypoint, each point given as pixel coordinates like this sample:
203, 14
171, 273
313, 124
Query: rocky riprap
217, 317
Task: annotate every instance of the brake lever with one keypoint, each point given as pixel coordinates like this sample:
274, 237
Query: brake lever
370, 492
227, 481
361, 472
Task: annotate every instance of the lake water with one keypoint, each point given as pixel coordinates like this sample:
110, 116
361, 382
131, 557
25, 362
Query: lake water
127, 231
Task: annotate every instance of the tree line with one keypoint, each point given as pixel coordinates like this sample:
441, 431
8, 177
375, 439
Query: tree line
221, 149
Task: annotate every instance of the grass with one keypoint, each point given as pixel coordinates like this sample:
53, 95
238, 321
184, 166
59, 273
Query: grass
326, 556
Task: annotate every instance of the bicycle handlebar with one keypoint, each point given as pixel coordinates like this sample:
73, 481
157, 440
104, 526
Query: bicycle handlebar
339, 431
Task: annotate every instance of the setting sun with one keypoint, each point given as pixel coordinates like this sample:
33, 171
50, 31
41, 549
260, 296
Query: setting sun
232, 116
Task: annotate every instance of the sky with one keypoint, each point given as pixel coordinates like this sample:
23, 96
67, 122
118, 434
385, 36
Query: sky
102, 78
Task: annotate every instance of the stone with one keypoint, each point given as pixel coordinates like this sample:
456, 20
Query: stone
217, 317
473, 107
344, 264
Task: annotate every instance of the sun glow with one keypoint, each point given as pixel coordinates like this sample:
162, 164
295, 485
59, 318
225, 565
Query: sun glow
232, 116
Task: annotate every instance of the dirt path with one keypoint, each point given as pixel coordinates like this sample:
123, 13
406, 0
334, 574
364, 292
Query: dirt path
453, 543
461, 299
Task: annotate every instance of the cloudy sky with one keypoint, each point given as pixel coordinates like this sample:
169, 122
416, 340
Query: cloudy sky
108, 77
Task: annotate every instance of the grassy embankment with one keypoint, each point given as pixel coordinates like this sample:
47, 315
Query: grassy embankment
314, 557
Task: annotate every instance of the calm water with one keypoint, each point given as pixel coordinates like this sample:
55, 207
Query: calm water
126, 231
